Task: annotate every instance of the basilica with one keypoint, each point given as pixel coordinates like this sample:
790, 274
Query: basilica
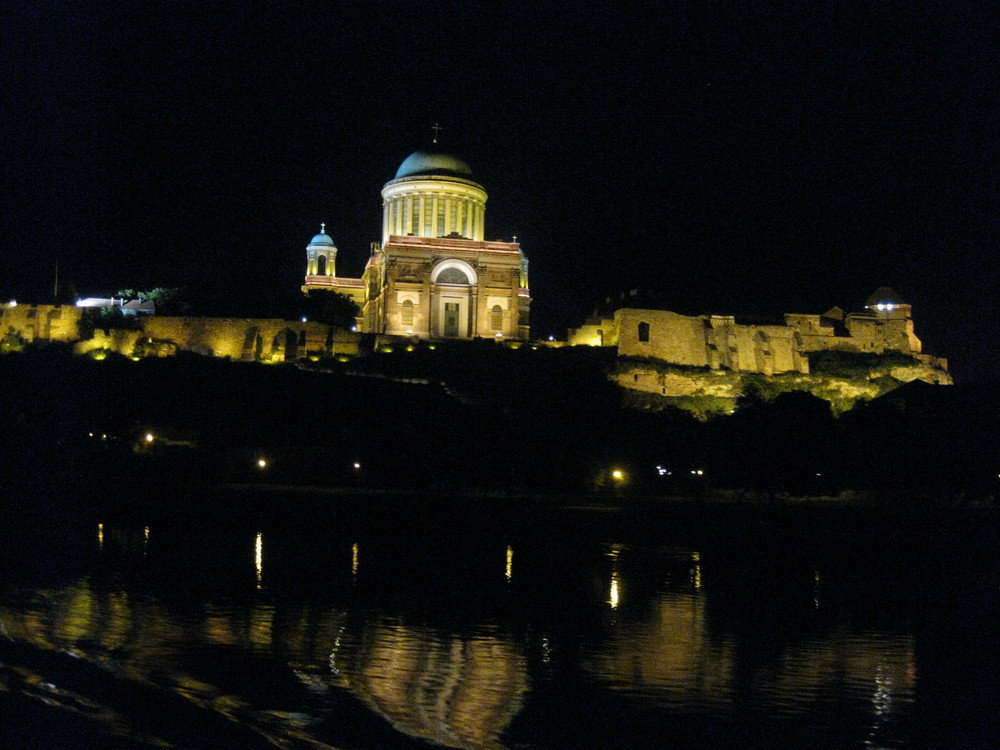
432, 275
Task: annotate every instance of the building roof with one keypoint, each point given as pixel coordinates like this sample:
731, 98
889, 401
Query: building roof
433, 163
322, 239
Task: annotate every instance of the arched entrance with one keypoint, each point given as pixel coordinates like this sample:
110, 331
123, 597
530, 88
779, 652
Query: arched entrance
452, 300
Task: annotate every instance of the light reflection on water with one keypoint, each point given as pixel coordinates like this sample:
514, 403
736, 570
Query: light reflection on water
441, 639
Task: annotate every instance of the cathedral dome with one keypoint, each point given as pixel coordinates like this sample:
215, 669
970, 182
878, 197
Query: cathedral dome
433, 163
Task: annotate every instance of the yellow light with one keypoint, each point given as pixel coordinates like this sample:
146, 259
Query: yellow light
613, 600
354, 559
149, 437
510, 563
618, 475
100, 535
357, 465
262, 463
259, 557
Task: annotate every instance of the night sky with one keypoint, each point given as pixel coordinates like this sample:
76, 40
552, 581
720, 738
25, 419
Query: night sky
736, 157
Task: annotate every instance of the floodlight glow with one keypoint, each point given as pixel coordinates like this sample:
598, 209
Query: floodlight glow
357, 465
12, 303
304, 319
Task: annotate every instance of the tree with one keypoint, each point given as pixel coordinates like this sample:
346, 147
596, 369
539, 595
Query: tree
168, 300
332, 308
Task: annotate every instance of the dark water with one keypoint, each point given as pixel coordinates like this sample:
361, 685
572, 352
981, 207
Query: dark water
284, 621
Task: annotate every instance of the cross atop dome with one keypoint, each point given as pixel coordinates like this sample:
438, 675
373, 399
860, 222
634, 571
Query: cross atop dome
437, 132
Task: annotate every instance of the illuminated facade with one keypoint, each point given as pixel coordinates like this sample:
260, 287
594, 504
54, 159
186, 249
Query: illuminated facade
432, 275
719, 342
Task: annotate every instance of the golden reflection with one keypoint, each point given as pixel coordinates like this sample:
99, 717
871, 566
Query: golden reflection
354, 559
259, 558
261, 626
77, 618
459, 691
100, 536
613, 600
145, 541
219, 629
510, 563
816, 589
614, 595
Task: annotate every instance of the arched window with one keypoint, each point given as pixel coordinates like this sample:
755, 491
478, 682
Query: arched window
644, 331
452, 276
321, 266
496, 318
407, 316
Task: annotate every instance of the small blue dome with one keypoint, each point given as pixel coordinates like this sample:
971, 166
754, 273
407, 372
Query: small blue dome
322, 239
433, 163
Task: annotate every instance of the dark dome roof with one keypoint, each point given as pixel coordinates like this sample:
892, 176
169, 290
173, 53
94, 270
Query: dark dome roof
433, 163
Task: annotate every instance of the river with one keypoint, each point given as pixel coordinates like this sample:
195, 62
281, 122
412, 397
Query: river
283, 620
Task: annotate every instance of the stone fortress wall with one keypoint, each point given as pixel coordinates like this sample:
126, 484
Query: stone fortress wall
247, 339
724, 351
718, 341
715, 351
